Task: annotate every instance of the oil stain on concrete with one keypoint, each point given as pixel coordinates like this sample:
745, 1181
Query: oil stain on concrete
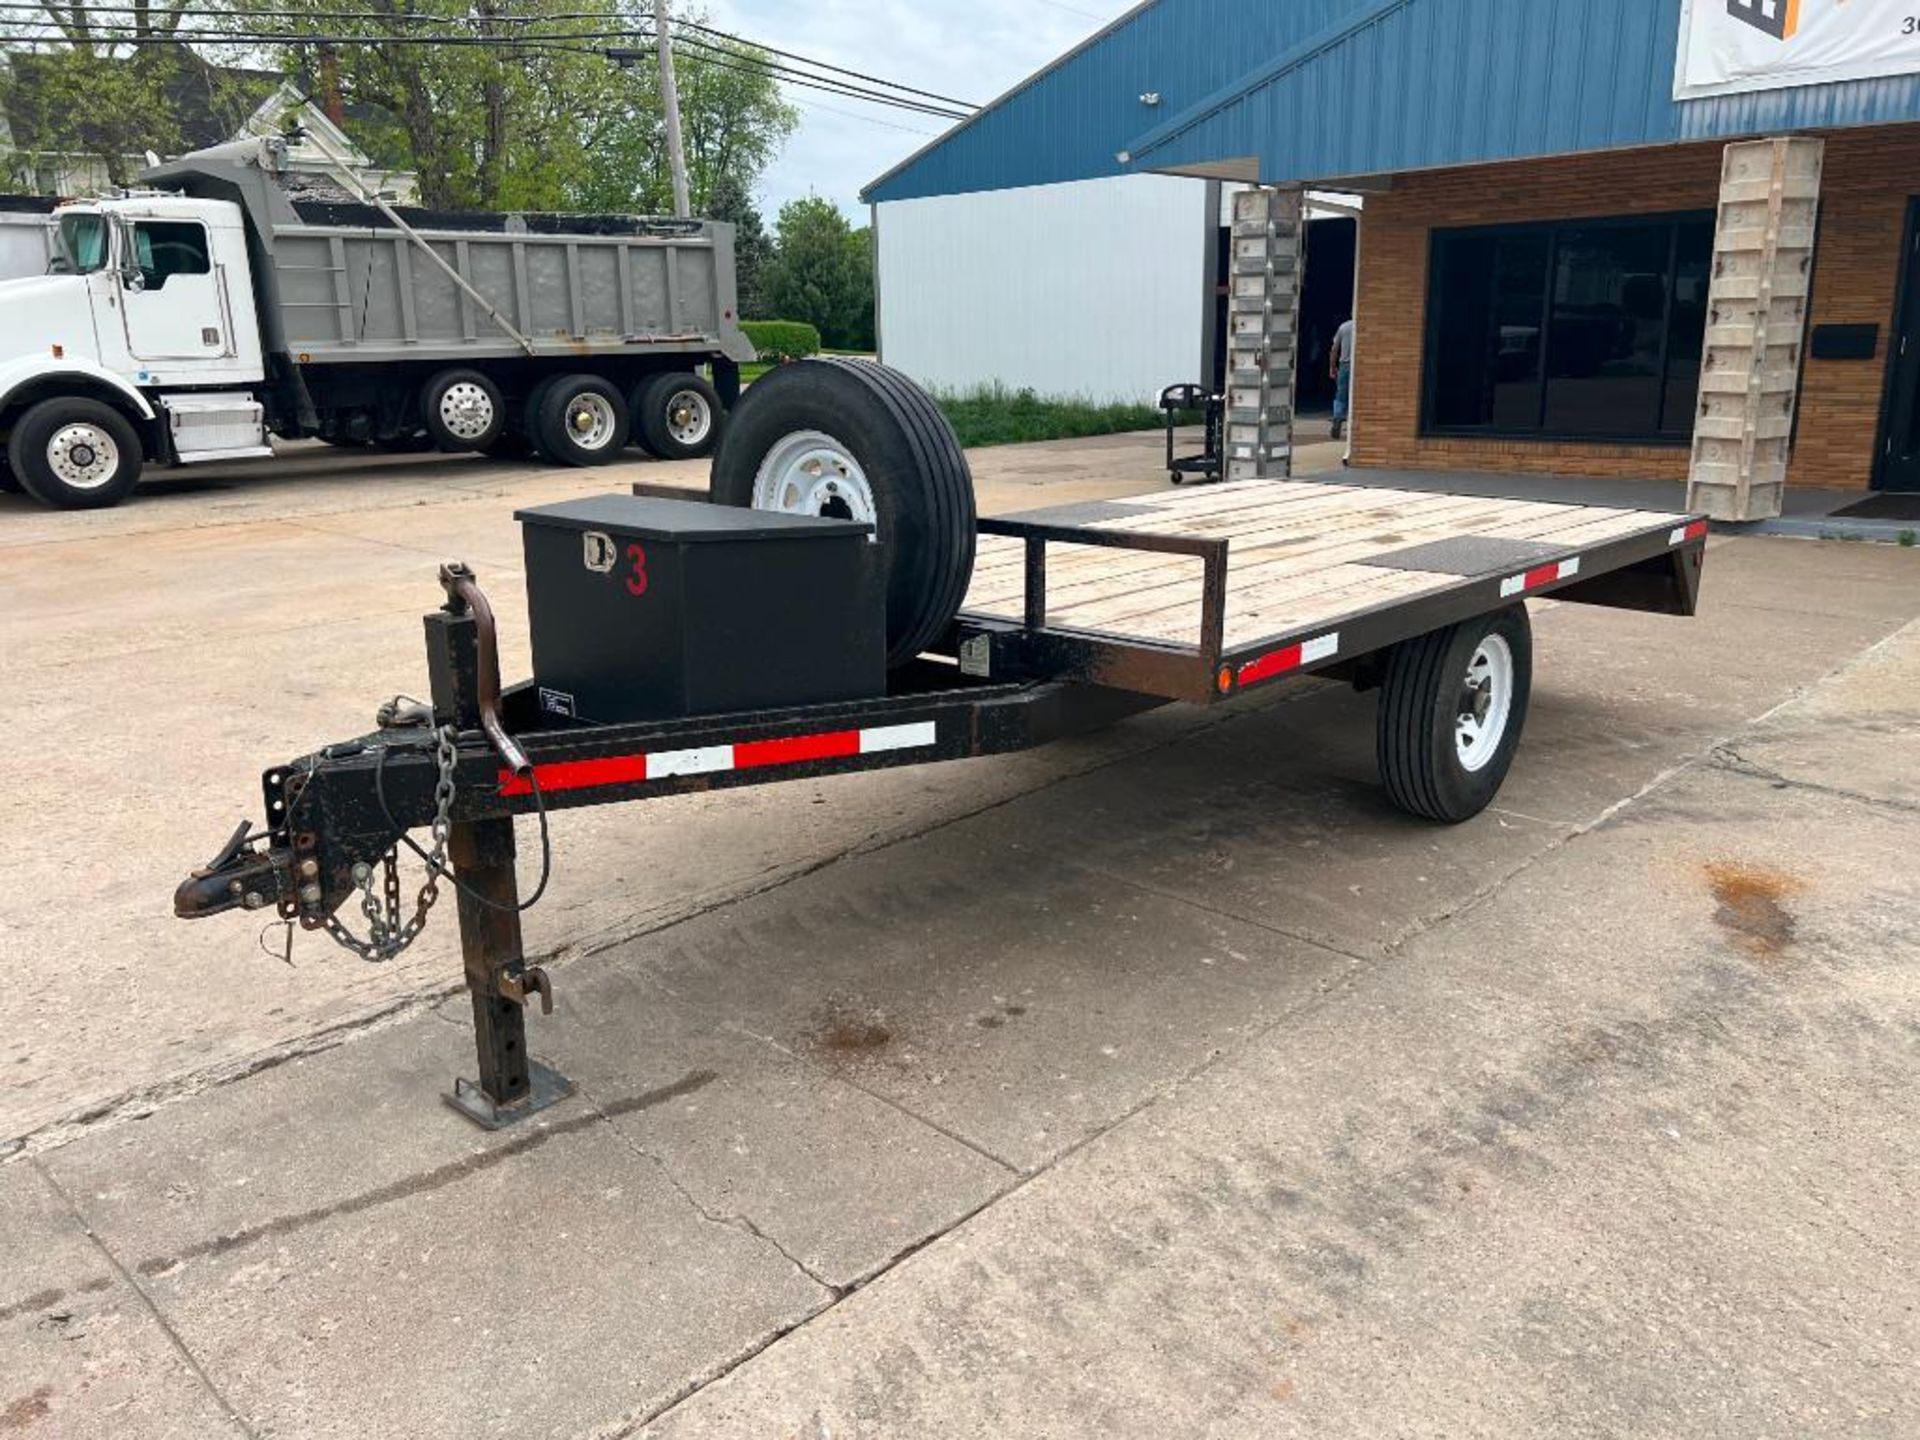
1749, 905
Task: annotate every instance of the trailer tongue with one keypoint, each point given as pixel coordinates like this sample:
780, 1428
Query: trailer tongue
674, 651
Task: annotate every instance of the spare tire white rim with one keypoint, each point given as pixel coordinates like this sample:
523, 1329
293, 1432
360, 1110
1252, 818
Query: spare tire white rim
811, 473
689, 416
83, 456
1485, 704
466, 410
590, 420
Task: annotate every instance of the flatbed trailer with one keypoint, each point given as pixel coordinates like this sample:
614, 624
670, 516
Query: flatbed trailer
1075, 617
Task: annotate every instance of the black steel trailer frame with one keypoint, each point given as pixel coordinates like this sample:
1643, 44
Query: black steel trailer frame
478, 755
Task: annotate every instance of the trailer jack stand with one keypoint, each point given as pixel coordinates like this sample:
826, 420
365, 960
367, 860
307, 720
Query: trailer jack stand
465, 671
512, 1084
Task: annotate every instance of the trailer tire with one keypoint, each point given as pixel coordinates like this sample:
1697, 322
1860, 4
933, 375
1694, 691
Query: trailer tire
854, 439
1452, 707
462, 410
580, 420
678, 415
75, 454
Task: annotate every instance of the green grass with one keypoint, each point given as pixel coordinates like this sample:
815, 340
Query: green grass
994, 415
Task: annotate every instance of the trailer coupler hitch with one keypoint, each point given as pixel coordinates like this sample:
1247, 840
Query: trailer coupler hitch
245, 875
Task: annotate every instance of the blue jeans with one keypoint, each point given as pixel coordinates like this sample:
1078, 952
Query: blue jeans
1342, 391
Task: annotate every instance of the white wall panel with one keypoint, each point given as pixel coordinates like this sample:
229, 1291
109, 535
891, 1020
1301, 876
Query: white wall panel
1091, 289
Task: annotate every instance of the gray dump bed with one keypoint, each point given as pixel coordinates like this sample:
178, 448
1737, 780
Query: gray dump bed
342, 282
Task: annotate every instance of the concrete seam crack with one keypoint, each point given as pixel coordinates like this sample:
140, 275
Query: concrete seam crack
127, 1278
1726, 758
731, 1221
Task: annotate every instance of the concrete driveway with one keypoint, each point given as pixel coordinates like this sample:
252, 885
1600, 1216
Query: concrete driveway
1165, 1082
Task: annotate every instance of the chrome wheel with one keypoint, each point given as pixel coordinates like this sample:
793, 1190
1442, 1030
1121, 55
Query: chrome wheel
811, 473
1486, 702
83, 456
591, 422
466, 410
689, 417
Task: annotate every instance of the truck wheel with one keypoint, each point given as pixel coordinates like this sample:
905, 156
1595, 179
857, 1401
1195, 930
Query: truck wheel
678, 415
462, 410
1451, 710
581, 420
853, 439
75, 454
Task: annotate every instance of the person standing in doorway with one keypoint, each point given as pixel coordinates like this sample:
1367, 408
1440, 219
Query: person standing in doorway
1340, 366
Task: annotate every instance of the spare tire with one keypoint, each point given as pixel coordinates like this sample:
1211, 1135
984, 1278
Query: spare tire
853, 439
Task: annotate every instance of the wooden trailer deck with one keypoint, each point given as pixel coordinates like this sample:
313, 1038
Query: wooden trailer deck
1295, 559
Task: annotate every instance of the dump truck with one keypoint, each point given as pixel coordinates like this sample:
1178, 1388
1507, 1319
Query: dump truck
228, 300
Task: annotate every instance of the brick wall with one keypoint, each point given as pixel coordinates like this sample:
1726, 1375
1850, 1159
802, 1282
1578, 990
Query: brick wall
1868, 177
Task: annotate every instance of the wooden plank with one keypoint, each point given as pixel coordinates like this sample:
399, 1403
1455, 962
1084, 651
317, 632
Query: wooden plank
1336, 514
1095, 572
1253, 585
1247, 577
1298, 550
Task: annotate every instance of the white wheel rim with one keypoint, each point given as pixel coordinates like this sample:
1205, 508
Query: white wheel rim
83, 456
466, 410
689, 417
811, 473
1485, 704
590, 420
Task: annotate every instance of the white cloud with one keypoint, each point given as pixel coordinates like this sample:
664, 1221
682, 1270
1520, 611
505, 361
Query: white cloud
971, 49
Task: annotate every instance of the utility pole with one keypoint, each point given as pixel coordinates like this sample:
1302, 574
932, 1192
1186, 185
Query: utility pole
670, 100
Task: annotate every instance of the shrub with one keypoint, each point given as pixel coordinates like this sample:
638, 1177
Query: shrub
782, 339
995, 415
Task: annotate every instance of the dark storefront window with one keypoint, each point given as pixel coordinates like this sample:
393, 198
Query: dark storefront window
1582, 329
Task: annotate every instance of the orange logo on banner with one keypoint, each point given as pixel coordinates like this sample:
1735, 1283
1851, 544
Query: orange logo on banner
1778, 18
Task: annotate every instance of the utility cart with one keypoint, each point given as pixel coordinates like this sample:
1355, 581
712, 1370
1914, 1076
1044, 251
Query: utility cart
668, 657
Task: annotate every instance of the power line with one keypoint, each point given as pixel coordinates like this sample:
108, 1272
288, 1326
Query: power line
823, 65
845, 87
812, 104
824, 84
57, 15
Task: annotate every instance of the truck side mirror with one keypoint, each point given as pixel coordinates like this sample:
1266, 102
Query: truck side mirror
132, 277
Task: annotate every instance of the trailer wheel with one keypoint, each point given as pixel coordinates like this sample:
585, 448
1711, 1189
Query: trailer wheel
462, 410
75, 454
678, 415
580, 420
853, 439
1451, 710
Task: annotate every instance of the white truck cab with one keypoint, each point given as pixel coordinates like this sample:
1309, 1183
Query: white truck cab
237, 299
146, 318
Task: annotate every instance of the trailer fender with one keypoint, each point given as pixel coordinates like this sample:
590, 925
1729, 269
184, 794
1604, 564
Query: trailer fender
35, 377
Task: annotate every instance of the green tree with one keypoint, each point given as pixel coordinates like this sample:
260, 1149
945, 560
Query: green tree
733, 122
74, 86
752, 246
822, 273
482, 126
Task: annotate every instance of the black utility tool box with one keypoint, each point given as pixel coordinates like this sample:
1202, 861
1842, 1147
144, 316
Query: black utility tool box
649, 609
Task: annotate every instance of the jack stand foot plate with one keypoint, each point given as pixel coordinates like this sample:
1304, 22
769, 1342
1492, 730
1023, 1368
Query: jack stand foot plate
545, 1087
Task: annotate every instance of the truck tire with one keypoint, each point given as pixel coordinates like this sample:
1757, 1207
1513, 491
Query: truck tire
75, 454
853, 439
1452, 707
581, 420
462, 410
678, 415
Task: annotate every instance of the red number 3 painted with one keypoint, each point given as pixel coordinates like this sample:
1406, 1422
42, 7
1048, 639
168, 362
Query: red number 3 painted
637, 581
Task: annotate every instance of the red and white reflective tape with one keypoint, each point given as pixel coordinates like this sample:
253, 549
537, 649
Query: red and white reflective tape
1538, 576
559, 775
1290, 657
1683, 533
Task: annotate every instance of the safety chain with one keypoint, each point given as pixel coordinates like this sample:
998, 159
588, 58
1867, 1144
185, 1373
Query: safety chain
387, 934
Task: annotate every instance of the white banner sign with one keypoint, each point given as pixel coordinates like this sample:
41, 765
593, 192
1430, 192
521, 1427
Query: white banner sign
1727, 46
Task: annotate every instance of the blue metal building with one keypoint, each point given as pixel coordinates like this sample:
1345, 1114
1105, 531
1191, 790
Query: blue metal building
1536, 113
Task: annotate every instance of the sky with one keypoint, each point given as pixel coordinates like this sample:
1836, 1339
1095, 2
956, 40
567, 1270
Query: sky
970, 49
